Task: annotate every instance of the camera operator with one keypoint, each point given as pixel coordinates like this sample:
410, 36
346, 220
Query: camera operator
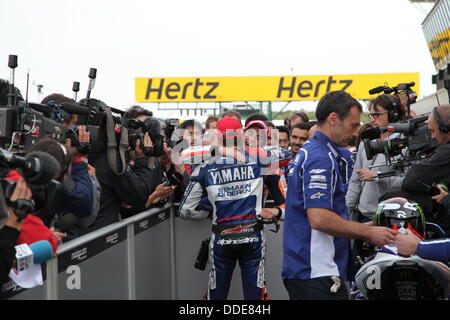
422, 176
10, 232
158, 189
177, 139
57, 99
132, 187
365, 187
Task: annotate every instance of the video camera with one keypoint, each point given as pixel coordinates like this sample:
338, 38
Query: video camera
415, 135
137, 130
400, 88
38, 169
169, 127
22, 124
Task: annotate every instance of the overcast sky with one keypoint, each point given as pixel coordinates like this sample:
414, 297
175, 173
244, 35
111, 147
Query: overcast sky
59, 40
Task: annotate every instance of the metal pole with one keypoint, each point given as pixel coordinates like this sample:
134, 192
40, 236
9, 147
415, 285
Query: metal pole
131, 266
52, 279
173, 264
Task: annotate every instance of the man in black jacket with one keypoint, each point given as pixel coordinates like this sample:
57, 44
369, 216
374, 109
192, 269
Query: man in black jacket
434, 170
133, 186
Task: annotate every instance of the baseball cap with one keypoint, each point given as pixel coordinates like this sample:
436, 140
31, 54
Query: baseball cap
229, 128
259, 124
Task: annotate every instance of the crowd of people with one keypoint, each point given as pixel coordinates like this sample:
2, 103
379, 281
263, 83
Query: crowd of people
324, 190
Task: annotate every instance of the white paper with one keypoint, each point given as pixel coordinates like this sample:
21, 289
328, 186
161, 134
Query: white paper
29, 278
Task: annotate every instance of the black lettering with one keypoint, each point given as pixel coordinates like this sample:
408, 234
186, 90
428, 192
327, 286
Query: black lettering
347, 83
302, 87
197, 84
213, 85
170, 89
316, 93
291, 88
150, 89
185, 89
330, 82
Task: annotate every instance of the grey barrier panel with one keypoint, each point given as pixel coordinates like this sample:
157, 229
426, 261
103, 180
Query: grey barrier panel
14, 292
152, 257
161, 269
274, 254
95, 270
192, 283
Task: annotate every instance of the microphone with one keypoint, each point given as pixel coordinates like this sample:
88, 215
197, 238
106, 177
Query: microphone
74, 108
65, 223
35, 253
42, 251
46, 110
376, 90
37, 167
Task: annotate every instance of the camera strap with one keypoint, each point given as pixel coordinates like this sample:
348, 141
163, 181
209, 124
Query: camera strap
112, 144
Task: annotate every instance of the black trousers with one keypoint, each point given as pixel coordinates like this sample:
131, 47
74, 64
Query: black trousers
315, 289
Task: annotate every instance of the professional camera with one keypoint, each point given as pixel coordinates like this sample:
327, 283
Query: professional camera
415, 135
169, 126
23, 123
138, 128
38, 169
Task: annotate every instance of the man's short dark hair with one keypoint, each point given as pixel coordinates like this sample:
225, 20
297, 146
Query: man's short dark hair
231, 113
270, 124
284, 129
209, 120
339, 102
298, 114
137, 111
56, 98
301, 126
190, 123
256, 116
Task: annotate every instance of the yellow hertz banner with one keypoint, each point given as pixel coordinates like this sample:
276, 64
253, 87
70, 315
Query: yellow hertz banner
278, 88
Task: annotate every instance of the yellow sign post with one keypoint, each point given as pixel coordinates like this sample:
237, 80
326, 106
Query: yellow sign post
270, 88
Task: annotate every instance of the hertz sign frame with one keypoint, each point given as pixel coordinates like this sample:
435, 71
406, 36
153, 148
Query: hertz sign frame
268, 88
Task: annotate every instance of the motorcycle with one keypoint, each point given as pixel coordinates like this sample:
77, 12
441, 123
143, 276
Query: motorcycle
385, 275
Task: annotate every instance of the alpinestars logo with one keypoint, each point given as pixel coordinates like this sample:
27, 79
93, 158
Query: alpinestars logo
317, 195
238, 229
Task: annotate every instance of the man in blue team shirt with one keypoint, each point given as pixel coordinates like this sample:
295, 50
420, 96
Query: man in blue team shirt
316, 236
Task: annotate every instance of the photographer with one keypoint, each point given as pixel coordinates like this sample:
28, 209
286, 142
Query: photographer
57, 99
131, 187
365, 186
159, 190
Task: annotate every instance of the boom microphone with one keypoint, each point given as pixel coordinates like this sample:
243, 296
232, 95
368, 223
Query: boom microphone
65, 223
46, 110
376, 90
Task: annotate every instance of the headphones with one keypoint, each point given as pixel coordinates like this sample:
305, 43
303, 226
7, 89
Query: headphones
67, 158
443, 127
396, 111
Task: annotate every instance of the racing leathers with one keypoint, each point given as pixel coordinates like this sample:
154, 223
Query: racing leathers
234, 189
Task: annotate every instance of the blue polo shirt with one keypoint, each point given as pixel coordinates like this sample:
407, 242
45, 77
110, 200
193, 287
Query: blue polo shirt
317, 180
